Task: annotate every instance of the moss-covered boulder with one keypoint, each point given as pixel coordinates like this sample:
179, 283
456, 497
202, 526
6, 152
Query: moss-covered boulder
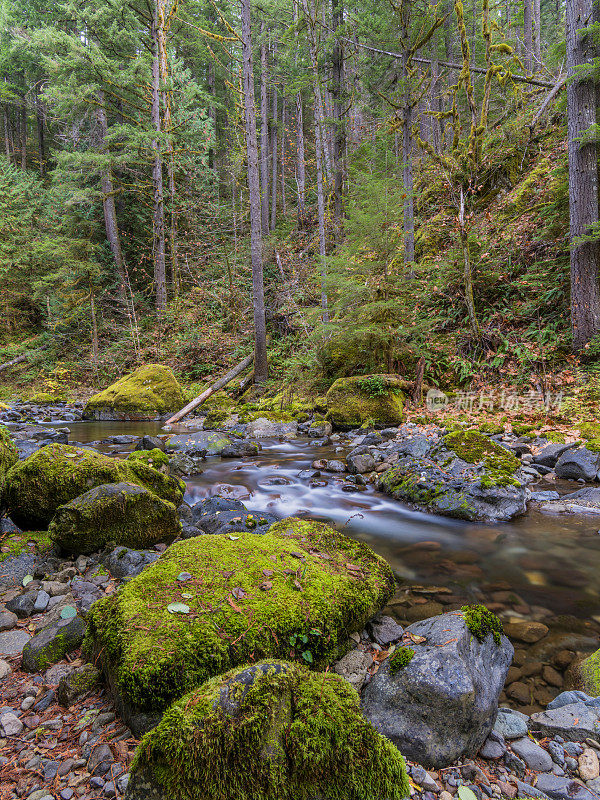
8, 454
589, 674
214, 602
366, 399
153, 458
464, 474
58, 473
122, 513
270, 731
147, 393
53, 643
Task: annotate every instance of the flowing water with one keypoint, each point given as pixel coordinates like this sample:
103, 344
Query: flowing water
552, 562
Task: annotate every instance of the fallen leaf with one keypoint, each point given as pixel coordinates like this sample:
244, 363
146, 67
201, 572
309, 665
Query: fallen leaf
233, 605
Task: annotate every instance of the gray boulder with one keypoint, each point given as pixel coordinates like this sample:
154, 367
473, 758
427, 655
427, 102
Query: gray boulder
559, 788
53, 643
549, 455
123, 562
575, 464
359, 463
589, 496
442, 704
263, 428
574, 722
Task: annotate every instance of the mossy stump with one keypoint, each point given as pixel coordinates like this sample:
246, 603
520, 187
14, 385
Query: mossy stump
58, 473
147, 393
271, 731
376, 400
122, 513
214, 602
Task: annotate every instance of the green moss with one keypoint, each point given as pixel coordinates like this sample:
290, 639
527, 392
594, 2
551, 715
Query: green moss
400, 658
38, 542
44, 398
8, 454
491, 428
150, 389
216, 418
153, 458
590, 430
374, 398
473, 447
522, 429
248, 595
589, 671
120, 513
58, 473
481, 621
555, 436
294, 735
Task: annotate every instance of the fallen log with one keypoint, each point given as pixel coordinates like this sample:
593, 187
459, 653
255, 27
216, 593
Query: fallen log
16, 360
197, 401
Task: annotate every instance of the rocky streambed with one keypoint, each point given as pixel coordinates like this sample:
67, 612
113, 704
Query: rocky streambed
61, 737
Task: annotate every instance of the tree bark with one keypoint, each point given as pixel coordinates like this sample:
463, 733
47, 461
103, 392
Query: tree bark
108, 204
260, 332
158, 216
39, 115
264, 132
407, 149
283, 146
24, 135
339, 140
7, 143
583, 175
537, 34
274, 120
528, 35
300, 155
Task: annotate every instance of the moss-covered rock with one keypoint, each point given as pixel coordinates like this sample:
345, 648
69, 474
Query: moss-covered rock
373, 399
589, 673
44, 398
474, 447
52, 644
77, 684
58, 473
8, 454
298, 591
153, 458
122, 513
271, 731
147, 393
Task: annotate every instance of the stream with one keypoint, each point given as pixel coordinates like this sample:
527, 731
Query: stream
550, 562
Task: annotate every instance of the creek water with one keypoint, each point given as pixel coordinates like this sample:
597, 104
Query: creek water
551, 562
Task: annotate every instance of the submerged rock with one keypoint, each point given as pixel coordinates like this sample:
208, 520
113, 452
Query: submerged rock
122, 513
212, 602
59, 473
268, 730
467, 476
147, 393
373, 399
440, 703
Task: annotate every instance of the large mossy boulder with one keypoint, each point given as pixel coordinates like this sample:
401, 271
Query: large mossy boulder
366, 399
147, 393
122, 513
464, 475
211, 603
589, 674
8, 454
58, 473
270, 731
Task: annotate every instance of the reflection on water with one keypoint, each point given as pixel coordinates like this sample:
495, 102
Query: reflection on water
550, 561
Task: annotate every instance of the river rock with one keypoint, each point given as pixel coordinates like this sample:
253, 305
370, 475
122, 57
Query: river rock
550, 453
13, 642
384, 630
146, 393
575, 464
8, 620
291, 708
588, 496
442, 704
354, 666
536, 758
589, 766
10, 725
122, 513
262, 428
527, 631
574, 722
123, 562
359, 463
25, 554
77, 683
53, 643
511, 724
236, 521
266, 592
467, 476
559, 788
22, 605
150, 443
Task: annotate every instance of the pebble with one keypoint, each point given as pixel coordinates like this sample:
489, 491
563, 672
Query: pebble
511, 724
41, 602
10, 725
536, 758
66, 794
27, 703
589, 766
5, 669
8, 620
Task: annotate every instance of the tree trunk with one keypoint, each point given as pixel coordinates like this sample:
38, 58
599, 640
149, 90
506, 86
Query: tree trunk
264, 132
448, 45
24, 135
108, 204
339, 141
468, 271
527, 35
95, 348
39, 116
319, 149
7, 147
407, 148
537, 34
300, 155
158, 216
260, 333
583, 176
283, 146
212, 111
274, 120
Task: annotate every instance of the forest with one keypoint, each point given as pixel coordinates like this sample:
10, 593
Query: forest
345, 189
